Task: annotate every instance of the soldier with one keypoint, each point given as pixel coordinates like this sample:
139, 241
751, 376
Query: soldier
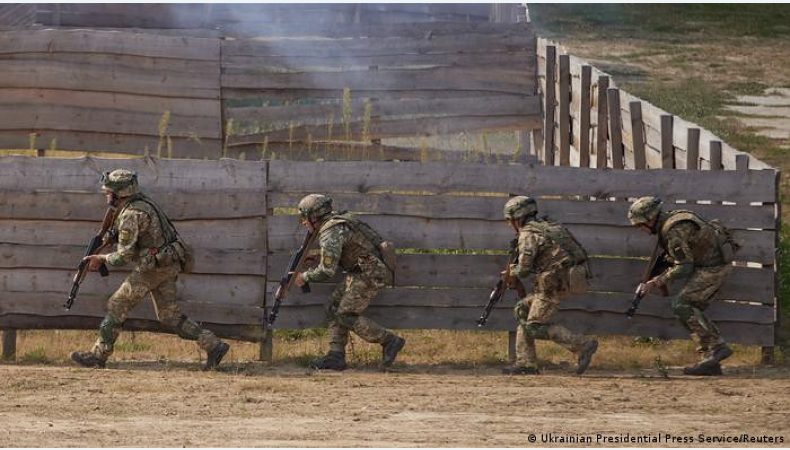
352, 245
149, 241
559, 262
700, 251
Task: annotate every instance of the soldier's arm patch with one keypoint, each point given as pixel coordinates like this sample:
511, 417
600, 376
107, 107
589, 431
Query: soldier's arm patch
328, 261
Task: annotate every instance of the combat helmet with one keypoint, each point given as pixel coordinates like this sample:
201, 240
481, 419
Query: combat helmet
644, 210
122, 182
520, 206
313, 207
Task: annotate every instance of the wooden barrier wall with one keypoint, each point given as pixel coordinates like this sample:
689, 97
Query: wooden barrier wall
591, 123
445, 217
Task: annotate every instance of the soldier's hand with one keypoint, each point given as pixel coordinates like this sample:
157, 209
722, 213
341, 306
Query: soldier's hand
299, 280
508, 278
648, 287
94, 262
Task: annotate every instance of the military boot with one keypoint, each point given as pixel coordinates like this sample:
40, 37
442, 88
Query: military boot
88, 359
703, 368
520, 370
585, 356
720, 353
390, 350
332, 361
216, 354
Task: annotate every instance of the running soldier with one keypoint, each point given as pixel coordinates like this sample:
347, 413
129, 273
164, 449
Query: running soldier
559, 262
353, 246
149, 242
701, 252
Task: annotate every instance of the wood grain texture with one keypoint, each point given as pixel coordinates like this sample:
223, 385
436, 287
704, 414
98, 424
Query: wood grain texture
549, 95
564, 110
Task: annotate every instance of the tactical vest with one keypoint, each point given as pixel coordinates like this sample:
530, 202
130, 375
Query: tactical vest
564, 250
363, 241
713, 244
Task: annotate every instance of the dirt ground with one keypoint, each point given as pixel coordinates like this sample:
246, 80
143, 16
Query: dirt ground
251, 405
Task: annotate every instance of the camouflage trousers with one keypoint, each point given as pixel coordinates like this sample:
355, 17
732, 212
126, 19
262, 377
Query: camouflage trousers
161, 284
693, 299
535, 313
349, 301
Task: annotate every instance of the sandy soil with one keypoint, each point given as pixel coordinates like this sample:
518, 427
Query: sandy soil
150, 404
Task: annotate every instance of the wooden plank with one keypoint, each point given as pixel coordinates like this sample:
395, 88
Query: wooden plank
197, 79
667, 148
293, 176
155, 175
741, 162
550, 105
251, 332
609, 274
637, 133
584, 117
564, 110
344, 151
414, 232
236, 290
126, 144
715, 155
207, 261
109, 42
502, 81
615, 127
232, 234
9, 344
490, 208
602, 128
70, 205
692, 149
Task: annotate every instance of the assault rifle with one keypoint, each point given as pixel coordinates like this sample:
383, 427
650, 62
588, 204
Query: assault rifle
656, 265
287, 280
502, 284
97, 243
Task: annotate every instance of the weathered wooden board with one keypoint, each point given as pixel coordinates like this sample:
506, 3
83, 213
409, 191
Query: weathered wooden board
236, 290
490, 208
155, 175
373, 26
207, 261
609, 274
109, 42
737, 187
417, 232
354, 151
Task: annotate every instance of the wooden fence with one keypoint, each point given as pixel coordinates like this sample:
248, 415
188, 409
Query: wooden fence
205, 97
444, 216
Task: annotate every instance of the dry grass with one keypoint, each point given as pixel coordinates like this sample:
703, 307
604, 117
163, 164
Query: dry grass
425, 348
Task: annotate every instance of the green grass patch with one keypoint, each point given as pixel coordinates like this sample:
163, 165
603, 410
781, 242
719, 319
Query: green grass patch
38, 356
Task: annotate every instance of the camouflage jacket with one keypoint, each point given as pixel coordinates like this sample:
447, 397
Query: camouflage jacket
343, 245
545, 246
140, 235
689, 242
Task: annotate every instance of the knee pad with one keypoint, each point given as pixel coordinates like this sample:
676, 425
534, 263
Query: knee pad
537, 330
682, 310
188, 329
108, 329
347, 320
521, 311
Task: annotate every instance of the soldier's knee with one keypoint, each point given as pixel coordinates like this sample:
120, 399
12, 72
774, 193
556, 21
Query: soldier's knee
108, 328
536, 330
347, 320
521, 310
682, 309
187, 328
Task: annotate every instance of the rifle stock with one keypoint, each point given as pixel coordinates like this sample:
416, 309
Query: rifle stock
96, 244
288, 278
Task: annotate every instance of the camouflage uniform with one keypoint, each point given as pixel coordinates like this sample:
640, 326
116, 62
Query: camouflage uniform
146, 240
548, 250
344, 246
692, 248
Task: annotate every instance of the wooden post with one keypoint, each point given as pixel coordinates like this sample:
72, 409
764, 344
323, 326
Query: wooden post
742, 162
584, 117
511, 346
9, 345
667, 148
548, 128
638, 135
692, 149
602, 132
615, 127
715, 155
565, 110
768, 356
